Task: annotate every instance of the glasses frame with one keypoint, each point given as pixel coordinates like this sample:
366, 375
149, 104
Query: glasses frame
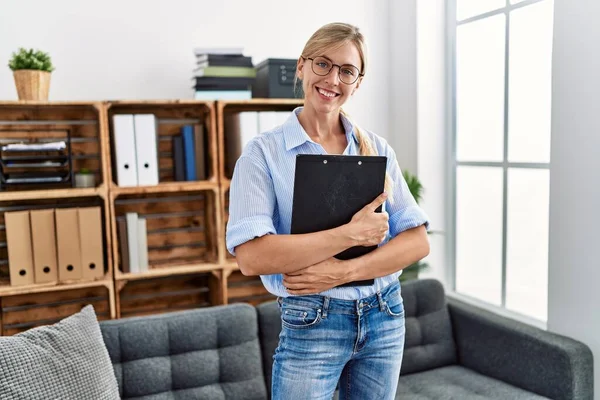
360, 74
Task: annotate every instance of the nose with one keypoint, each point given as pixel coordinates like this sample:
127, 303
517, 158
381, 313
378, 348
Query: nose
333, 77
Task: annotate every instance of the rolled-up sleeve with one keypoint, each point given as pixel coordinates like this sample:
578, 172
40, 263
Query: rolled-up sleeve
404, 212
251, 202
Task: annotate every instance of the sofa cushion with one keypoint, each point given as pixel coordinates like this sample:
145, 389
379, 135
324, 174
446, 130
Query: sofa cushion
67, 360
457, 382
202, 353
429, 341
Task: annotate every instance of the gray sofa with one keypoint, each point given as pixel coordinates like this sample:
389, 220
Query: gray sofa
453, 351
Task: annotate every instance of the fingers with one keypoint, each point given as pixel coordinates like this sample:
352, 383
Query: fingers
379, 200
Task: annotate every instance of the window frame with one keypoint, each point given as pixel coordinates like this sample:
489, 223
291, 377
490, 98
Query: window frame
453, 164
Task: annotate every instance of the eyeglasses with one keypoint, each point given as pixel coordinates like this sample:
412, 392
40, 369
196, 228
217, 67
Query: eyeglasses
321, 66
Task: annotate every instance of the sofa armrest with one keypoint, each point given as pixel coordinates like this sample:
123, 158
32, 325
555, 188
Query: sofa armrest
542, 362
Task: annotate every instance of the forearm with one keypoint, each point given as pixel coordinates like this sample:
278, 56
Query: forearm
405, 249
276, 254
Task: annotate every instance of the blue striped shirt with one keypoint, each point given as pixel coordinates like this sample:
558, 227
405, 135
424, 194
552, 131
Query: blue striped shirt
262, 188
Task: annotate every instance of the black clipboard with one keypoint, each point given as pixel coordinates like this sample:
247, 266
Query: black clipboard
330, 189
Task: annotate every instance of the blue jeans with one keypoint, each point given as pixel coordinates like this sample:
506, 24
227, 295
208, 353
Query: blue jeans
324, 341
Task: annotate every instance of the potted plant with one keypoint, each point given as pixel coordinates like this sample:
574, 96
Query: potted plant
416, 189
31, 70
85, 179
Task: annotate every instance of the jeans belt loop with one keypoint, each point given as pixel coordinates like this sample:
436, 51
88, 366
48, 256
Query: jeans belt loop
325, 306
381, 301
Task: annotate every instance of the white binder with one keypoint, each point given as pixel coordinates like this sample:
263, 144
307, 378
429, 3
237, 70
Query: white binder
124, 135
146, 149
142, 244
132, 239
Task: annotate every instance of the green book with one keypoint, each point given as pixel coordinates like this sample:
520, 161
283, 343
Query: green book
218, 71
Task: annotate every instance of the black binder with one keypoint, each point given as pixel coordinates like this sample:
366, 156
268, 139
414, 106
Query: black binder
330, 189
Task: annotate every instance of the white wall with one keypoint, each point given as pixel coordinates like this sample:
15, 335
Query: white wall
403, 82
574, 275
431, 142
142, 49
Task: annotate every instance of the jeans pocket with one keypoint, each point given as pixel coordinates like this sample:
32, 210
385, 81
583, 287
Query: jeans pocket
395, 309
299, 317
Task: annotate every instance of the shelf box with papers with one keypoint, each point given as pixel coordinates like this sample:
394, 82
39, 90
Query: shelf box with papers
43, 145
41, 242
154, 142
158, 234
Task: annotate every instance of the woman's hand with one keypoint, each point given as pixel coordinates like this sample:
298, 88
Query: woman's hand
316, 278
367, 227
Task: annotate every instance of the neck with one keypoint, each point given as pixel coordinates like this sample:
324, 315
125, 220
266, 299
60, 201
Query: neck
320, 127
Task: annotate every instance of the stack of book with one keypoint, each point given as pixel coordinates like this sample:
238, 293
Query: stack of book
223, 74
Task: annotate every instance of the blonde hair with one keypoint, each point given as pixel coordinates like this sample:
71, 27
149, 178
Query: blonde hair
331, 37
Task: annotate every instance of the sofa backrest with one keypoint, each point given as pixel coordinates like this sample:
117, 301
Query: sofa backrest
429, 341
204, 353
269, 323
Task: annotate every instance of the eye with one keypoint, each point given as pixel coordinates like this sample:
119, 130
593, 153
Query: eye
348, 71
322, 64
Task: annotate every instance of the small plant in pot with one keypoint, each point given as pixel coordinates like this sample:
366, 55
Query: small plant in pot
85, 179
31, 70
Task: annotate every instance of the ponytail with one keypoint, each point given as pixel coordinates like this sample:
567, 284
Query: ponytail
365, 148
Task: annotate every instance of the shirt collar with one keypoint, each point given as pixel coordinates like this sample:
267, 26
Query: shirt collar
295, 135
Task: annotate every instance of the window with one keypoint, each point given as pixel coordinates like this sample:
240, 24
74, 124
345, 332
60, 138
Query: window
501, 90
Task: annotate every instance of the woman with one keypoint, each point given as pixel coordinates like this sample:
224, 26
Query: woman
354, 335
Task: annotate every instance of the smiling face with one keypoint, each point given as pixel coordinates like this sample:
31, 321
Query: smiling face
327, 93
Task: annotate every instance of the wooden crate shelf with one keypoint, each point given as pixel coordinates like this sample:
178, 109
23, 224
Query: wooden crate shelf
167, 294
226, 108
228, 259
7, 290
20, 312
53, 194
183, 231
166, 187
51, 203
171, 116
168, 270
48, 121
246, 289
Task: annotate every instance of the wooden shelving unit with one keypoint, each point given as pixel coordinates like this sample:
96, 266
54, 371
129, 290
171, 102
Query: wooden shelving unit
23, 307
186, 220
183, 217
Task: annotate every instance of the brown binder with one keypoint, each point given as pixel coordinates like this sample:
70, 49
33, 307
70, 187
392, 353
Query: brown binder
43, 240
90, 235
18, 239
67, 244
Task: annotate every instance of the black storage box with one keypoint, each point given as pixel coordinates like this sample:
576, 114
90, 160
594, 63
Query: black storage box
275, 79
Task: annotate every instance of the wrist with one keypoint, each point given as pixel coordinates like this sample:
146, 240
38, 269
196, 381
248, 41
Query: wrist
344, 234
353, 270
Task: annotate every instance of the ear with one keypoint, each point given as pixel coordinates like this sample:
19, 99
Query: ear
300, 68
